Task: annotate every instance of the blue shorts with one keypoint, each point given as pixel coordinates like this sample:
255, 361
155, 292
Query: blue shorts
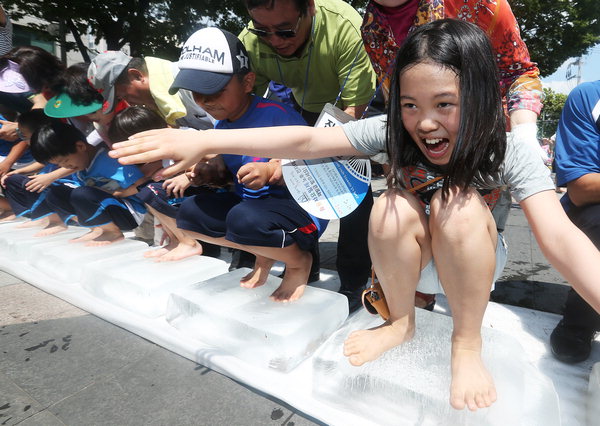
264, 222
430, 281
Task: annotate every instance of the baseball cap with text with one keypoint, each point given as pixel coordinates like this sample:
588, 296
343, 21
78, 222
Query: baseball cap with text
208, 60
103, 73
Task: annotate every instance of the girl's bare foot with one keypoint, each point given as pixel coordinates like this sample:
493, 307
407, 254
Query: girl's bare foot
472, 385
367, 345
181, 251
95, 232
294, 281
51, 229
258, 276
105, 238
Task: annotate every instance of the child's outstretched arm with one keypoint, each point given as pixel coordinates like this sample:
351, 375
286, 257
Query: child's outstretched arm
187, 147
567, 248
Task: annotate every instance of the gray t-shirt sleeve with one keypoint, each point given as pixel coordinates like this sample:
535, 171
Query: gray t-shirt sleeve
524, 171
367, 135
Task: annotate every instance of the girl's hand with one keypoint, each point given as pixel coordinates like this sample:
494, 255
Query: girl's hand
185, 147
176, 186
38, 183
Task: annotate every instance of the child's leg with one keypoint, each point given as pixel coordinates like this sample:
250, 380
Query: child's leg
107, 215
53, 224
6, 212
180, 244
464, 241
400, 247
259, 274
57, 200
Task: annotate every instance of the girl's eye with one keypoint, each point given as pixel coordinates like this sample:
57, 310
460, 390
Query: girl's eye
408, 105
445, 104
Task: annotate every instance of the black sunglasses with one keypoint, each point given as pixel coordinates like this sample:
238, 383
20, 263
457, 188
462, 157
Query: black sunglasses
278, 33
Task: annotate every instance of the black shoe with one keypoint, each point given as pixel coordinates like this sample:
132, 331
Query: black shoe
241, 259
354, 299
211, 250
571, 344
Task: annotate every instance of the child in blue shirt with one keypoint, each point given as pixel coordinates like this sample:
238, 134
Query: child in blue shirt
259, 216
25, 188
105, 200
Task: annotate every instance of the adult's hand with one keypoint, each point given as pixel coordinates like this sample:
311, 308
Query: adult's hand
8, 132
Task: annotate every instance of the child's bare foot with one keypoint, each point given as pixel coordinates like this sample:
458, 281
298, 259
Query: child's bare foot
51, 229
7, 216
94, 233
157, 252
105, 238
294, 281
472, 385
181, 251
44, 222
258, 276
367, 345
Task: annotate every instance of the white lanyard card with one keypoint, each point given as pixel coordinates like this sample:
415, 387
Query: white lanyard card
332, 187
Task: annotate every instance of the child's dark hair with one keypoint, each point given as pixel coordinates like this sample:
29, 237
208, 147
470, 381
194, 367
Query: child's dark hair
33, 119
54, 139
74, 82
481, 141
301, 5
133, 120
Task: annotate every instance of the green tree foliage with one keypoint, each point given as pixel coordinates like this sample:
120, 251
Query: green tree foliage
553, 30
553, 105
557, 30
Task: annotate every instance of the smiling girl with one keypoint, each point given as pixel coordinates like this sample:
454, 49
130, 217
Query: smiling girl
432, 231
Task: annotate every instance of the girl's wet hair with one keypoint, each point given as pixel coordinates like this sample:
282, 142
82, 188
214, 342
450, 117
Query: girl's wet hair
133, 120
481, 141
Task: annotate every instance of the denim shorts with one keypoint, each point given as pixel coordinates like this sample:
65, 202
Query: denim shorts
429, 282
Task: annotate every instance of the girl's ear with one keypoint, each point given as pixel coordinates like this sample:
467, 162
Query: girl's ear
248, 82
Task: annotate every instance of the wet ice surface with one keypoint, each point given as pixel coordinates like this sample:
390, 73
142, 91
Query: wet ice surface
20, 243
66, 261
409, 385
247, 324
142, 285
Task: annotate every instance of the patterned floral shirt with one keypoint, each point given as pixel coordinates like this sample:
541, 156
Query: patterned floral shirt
519, 77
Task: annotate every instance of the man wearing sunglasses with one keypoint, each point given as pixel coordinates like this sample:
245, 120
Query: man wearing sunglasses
314, 48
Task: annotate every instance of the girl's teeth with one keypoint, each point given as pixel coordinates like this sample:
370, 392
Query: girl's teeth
432, 141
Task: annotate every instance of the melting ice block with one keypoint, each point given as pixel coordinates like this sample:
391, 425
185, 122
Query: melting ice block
66, 261
142, 285
593, 396
247, 324
409, 385
23, 245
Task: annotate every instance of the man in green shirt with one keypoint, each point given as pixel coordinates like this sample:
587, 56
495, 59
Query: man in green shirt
314, 48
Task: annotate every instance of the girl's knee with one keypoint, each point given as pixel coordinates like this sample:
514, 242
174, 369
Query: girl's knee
459, 214
394, 212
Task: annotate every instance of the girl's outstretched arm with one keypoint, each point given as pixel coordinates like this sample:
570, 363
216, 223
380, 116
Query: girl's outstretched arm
187, 147
567, 248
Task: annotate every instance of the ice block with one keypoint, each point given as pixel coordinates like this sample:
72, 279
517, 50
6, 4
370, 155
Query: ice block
65, 261
409, 384
247, 324
22, 245
142, 285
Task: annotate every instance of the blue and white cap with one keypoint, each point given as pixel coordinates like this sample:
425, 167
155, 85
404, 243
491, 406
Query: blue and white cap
208, 60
